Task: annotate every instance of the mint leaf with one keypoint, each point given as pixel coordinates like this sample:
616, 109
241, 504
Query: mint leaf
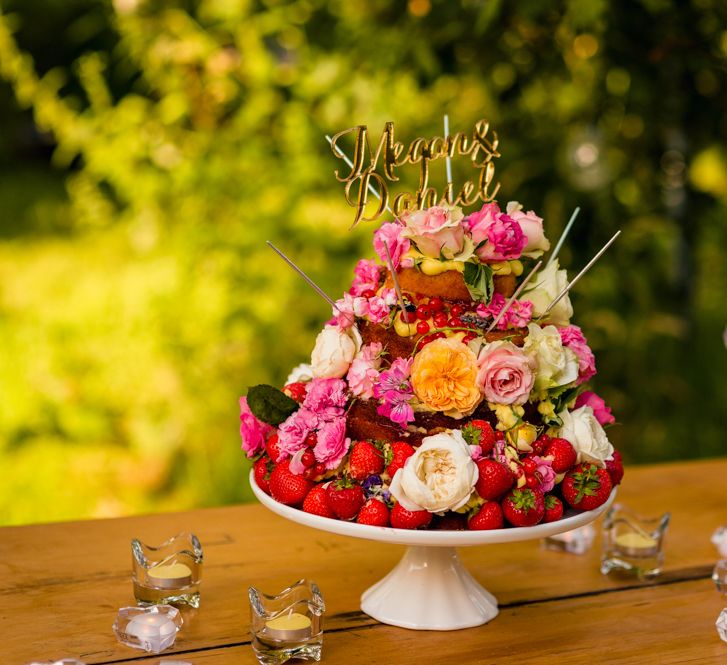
478, 278
270, 405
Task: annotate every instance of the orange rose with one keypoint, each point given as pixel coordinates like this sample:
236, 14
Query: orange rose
444, 377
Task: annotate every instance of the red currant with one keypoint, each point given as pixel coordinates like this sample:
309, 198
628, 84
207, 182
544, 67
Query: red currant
309, 474
457, 310
436, 304
422, 327
529, 465
318, 469
532, 482
308, 459
455, 322
517, 471
369, 293
439, 335
468, 338
407, 317
441, 320
500, 436
311, 440
423, 312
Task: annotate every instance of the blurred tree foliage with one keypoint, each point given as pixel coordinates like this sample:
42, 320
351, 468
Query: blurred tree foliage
137, 299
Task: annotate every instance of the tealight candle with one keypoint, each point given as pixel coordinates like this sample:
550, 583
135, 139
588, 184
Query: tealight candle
155, 632
170, 576
633, 543
292, 627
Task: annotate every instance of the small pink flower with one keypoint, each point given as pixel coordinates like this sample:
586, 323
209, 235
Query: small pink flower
367, 276
518, 315
573, 338
293, 431
395, 378
545, 473
378, 310
332, 444
506, 374
364, 373
396, 407
326, 398
343, 312
296, 465
252, 431
391, 233
436, 231
389, 296
601, 411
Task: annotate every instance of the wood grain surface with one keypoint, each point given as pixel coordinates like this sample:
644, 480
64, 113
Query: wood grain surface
61, 585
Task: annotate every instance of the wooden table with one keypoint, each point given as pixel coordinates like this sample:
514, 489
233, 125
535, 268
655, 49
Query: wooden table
61, 585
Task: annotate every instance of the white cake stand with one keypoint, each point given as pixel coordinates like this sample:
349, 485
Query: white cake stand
430, 589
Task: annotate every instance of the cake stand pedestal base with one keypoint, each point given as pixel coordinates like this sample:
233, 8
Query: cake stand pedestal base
429, 589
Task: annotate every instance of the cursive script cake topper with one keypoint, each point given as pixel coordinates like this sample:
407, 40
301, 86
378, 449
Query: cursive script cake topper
362, 174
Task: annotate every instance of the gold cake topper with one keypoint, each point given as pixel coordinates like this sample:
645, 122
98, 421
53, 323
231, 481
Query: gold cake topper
362, 173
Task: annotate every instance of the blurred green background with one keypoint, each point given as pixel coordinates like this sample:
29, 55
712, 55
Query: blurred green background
148, 148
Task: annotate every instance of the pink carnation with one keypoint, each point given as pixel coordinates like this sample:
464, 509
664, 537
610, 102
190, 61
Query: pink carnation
506, 374
367, 276
573, 338
326, 398
252, 431
363, 374
600, 410
398, 245
332, 444
293, 431
517, 316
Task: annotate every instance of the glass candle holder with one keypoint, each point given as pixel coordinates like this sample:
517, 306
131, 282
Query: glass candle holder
289, 625
169, 574
719, 540
633, 545
576, 541
719, 576
151, 629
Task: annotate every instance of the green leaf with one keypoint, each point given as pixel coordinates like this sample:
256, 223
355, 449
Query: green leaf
478, 278
270, 405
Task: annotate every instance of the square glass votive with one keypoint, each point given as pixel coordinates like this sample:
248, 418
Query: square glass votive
169, 574
576, 541
288, 625
633, 545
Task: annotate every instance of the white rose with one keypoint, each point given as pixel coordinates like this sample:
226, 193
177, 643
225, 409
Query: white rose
300, 373
557, 365
543, 289
585, 433
532, 227
334, 351
438, 477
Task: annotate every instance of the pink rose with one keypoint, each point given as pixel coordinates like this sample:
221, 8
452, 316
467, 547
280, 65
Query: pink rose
364, 371
391, 234
600, 410
478, 222
506, 373
544, 472
252, 431
573, 338
293, 431
332, 444
436, 231
532, 227
505, 240
367, 275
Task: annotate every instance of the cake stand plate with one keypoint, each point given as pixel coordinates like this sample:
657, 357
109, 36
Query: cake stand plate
430, 589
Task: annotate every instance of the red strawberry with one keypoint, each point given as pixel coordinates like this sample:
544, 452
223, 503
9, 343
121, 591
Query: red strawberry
495, 479
317, 502
272, 447
286, 487
263, 467
553, 508
401, 518
562, 453
345, 498
488, 517
365, 460
479, 433
586, 486
400, 452
374, 513
524, 507
296, 391
615, 468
